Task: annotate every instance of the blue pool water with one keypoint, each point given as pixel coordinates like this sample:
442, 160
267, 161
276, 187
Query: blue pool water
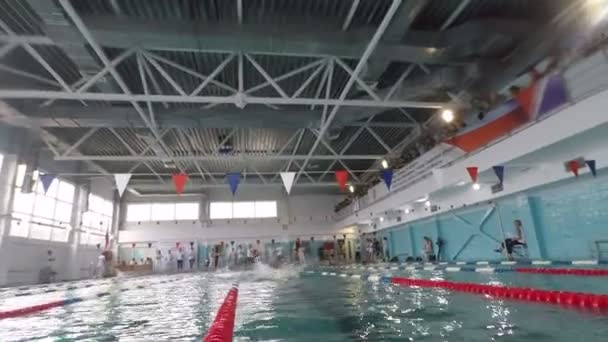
289, 305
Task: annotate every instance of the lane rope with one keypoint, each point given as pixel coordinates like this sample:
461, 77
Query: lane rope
567, 298
583, 272
222, 328
28, 310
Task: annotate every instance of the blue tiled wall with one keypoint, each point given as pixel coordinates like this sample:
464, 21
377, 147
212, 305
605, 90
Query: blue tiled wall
561, 221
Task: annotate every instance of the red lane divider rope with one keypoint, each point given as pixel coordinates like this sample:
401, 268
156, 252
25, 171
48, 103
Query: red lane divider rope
571, 299
30, 309
50, 305
564, 271
222, 328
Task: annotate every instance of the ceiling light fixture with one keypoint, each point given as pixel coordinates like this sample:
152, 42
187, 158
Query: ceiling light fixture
447, 115
384, 164
427, 204
351, 188
476, 186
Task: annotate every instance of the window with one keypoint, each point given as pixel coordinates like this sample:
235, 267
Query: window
186, 211
265, 209
138, 212
243, 209
97, 220
37, 215
229, 210
220, 210
162, 212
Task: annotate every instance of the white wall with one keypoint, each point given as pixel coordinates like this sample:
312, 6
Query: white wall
298, 215
27, 257
21, 259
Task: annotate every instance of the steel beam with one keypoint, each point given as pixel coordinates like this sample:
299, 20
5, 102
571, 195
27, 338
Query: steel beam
31, 76
267, 77
223, 157
213, 74
308, 80
67, 6
360, 66
191, 72
379, 139
74, 146
7, 48
165, 75
350, 15
49, 94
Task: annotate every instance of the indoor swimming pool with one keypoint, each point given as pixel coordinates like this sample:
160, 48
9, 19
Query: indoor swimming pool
293, 305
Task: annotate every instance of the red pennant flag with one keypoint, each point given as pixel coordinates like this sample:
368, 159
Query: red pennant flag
179, 180
342, 178
473, 173
573, 166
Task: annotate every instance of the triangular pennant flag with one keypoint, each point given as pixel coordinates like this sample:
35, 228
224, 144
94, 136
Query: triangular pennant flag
499, 170
121, 180
387, 176
591, 164
179, 181
233, 179
342, 178
287, 178
47, 179
573, 166
473, 173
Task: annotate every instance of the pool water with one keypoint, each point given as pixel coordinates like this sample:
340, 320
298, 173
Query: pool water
288, 305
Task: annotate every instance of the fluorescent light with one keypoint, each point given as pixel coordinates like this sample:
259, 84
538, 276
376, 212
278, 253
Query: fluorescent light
422, 199
427, 203
35, 175
384, 164
21, 168
447, 115
476, 186
351, 188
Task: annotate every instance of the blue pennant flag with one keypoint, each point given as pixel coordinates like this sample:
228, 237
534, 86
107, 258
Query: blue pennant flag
499, 170
47, 179
591, 164
233, 179
387, 176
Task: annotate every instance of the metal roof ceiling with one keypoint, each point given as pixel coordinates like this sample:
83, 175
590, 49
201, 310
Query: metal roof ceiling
254, 73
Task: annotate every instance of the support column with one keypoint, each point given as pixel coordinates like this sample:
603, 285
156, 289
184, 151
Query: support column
116, 219
80, 200
8, 173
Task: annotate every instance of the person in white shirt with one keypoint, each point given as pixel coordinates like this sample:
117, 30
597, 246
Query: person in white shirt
101, 265
169, 261
191, 258
249, 254
180, 259
259, 251
159, 261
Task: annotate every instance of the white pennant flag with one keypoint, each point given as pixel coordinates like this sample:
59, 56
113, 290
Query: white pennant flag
121, 179
287, 178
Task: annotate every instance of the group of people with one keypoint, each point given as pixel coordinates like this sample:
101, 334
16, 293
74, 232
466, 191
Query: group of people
374, 249
232, 255
174, 261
